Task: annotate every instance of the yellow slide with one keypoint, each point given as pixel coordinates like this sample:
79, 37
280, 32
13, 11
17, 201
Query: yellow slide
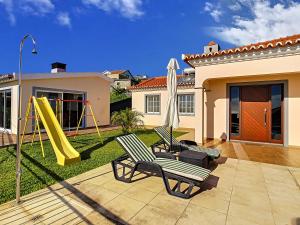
64, 151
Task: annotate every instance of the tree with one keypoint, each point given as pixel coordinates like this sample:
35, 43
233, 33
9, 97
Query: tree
128, 119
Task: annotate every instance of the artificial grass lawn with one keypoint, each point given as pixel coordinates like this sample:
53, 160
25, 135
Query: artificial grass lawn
39, 172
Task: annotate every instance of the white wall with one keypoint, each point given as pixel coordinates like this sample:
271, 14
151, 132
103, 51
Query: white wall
138, 104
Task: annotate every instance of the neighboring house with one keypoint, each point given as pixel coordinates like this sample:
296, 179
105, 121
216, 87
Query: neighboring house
140, 77
150, 98
249, 93
94, 87
121, 78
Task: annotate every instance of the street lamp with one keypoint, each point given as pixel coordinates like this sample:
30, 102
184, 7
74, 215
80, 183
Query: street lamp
18, 154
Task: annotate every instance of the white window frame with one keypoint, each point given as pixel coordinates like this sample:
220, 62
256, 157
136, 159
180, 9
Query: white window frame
147, 107
192, 105
2, 129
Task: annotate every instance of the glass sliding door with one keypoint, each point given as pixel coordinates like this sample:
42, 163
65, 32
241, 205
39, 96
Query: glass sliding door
70, 109
5, 109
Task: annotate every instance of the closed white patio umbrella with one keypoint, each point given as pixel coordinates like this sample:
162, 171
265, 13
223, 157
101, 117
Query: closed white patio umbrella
171, 117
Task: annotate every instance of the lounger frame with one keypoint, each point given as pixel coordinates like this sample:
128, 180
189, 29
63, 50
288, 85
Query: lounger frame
155, 169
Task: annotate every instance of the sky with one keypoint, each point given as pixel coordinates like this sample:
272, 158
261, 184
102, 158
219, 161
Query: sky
139, 35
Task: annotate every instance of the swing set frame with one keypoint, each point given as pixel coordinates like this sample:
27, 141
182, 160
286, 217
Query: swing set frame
58, 113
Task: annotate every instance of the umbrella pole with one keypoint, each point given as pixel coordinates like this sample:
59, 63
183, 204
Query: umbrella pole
171, 134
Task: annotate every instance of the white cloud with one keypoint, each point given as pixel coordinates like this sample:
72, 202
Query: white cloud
213, 10
8, 5
36, 7
236, 6
267, 22
30, 7
128, 8
64, 19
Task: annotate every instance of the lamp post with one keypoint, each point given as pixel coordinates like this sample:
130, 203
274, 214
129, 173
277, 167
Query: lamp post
18, 153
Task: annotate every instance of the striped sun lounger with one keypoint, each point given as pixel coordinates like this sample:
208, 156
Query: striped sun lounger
164, 134
167, 168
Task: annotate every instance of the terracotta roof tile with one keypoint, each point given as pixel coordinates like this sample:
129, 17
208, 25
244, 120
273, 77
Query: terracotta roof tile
159, 82
279, 42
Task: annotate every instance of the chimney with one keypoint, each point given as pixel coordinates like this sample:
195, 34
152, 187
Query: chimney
211, 47
58, 67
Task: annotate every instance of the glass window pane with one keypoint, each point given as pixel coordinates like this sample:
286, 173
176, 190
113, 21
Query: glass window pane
153, 104
72, 110
8, 109
276, 98
235, 110
186, 103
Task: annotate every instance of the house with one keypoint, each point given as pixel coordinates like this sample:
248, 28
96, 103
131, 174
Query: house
249, 93
121, 78
150, 97
58, 84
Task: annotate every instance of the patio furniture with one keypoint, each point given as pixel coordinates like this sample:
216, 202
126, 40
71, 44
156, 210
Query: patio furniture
179, 146
168, 168
195, 158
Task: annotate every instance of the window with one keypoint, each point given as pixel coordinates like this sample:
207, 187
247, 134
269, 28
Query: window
186, 104
5, 109
153, 104
235, 111
276, 99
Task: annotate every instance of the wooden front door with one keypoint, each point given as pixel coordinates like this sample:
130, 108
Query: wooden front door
255, 113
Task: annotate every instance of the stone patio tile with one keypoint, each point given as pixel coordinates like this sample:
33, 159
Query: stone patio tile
214, 199
99, 195
170, 204
283, 192
296, 175
153, 215
273, 166
289, 184
224, 171
285, 210
117, 186
251, 214
97, 219
140, 194
198, 215
235, 220
250, 184
251, 198
124, 208
249, 178
150, 185
225, 182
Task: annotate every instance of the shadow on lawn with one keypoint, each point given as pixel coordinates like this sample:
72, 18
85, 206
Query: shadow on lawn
84, 198
86, 154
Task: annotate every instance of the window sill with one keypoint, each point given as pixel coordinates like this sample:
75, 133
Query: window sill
152, 114
186, 114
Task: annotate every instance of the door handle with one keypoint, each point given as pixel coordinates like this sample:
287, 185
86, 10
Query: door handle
265, 114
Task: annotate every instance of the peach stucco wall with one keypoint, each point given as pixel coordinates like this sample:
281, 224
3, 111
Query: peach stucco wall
97, 92
138, 104
215, 79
